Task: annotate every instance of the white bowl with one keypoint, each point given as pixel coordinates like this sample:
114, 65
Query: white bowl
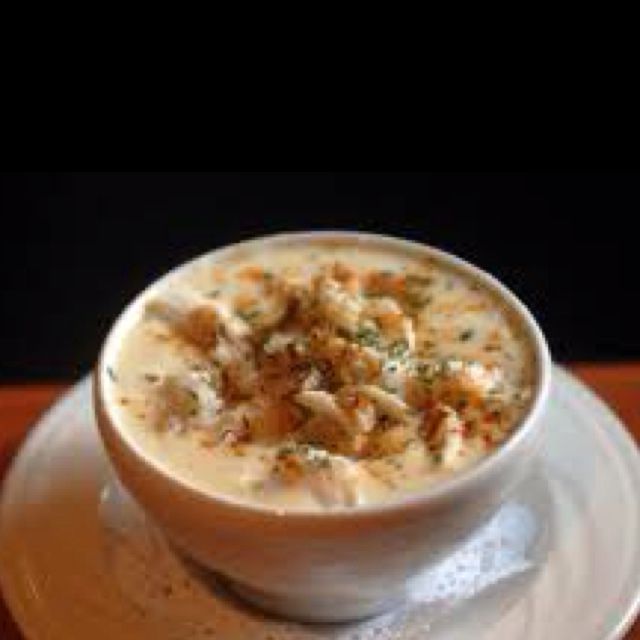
335, 565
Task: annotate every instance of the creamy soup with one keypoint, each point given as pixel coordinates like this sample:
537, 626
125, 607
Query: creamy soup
320, 375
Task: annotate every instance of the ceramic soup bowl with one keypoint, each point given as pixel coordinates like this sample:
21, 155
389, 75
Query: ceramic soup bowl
332, 565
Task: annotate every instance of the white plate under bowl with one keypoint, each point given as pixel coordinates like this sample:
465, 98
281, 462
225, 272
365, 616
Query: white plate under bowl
79, 560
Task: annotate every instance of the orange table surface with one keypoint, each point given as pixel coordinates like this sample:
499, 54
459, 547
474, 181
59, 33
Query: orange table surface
20, 405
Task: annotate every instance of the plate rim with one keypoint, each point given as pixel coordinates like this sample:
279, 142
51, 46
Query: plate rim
613, 424
9, 593
626, 442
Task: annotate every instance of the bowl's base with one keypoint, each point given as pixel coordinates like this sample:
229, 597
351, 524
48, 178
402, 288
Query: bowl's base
328, 609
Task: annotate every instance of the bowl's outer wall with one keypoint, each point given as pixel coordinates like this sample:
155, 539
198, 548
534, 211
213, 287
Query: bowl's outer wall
307, 557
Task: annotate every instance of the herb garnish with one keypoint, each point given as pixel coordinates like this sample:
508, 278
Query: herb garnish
415, 294
192, 407
286, 450
249, 315
414, 280
427, 371
367, 337
398, 349
308, 454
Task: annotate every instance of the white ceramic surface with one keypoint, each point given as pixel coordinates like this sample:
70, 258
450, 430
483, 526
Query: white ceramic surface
339, 564
562, 560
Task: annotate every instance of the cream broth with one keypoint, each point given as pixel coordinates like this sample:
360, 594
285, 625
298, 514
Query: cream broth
320, 375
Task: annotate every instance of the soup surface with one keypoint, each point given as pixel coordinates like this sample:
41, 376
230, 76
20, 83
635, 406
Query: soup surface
320, 374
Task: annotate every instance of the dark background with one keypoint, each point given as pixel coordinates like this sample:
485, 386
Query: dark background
76, 247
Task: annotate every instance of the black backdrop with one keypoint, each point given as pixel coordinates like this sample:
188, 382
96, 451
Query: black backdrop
76, 247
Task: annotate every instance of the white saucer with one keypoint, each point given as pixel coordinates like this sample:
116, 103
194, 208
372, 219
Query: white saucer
78, 559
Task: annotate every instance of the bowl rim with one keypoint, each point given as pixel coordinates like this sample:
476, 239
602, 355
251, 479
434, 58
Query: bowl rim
448, 488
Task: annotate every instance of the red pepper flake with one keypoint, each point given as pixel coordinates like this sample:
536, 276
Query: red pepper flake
487, 439
429, 403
